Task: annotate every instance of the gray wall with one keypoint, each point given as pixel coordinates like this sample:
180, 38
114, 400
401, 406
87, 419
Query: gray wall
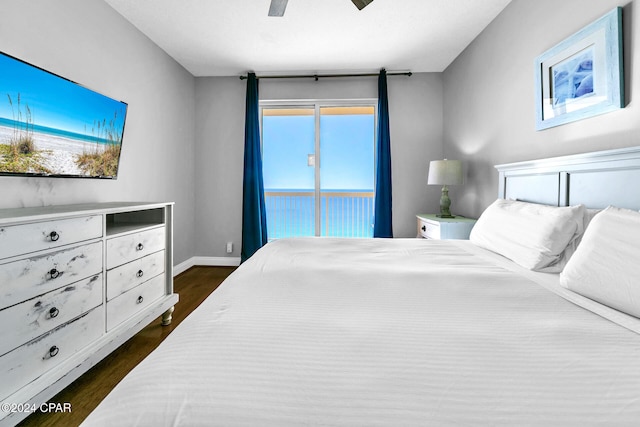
219, 163
88, 42
184, 135
489, 110
415, 105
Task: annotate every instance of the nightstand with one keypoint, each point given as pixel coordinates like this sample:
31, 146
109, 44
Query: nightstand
432, 227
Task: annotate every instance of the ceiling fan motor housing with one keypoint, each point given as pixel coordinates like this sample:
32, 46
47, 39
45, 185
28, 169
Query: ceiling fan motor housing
278, 7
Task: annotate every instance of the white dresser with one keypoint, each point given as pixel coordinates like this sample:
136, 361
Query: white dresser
76, 282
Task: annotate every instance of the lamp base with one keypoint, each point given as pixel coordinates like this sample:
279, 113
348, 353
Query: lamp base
445, 203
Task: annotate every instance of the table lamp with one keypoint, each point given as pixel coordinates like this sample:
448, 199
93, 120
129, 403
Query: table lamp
445, 172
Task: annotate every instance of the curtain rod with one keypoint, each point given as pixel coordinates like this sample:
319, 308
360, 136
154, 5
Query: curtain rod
318, 76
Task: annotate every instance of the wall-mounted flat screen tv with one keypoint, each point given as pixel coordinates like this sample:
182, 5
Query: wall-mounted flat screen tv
53, 127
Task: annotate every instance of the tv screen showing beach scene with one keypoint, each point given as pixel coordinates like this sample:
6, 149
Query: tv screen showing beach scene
53, 127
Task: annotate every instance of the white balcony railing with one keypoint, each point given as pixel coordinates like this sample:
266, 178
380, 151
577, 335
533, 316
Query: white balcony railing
342, 213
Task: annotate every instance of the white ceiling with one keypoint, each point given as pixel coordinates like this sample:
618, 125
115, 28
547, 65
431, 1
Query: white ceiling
231, 37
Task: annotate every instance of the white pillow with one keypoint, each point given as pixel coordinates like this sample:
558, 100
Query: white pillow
589, 214
532, 235
605, 265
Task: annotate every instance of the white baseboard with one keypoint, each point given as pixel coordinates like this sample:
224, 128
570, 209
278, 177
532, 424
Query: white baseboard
207, 261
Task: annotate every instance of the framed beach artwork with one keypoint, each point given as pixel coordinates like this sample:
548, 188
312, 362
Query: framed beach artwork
53, 127
583, 75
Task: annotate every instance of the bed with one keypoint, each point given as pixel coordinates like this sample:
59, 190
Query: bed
350, 332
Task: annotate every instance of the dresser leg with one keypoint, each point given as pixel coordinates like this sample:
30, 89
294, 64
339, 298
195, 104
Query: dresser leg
167, 316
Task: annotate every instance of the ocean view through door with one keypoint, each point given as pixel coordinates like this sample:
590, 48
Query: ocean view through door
318, 167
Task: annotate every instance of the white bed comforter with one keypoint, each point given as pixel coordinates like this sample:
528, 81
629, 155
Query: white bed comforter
402, 332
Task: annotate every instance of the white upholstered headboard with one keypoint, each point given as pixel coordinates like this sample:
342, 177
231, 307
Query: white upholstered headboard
596, 179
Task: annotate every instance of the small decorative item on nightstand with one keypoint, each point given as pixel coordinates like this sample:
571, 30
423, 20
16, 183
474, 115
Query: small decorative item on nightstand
445, 172
431, 226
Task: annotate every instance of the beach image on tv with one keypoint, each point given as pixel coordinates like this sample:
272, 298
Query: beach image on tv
52, 126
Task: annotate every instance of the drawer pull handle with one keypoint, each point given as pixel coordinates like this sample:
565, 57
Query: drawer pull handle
424, 228
140, 246
140, 299
54, 312
53, 351
54, 236
140, 273
53, 273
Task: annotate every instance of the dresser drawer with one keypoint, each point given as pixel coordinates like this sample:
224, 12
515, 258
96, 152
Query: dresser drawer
130, 275
134, 300
30, 277
26, 238
31, 360
123, 249
25, 321
428, 230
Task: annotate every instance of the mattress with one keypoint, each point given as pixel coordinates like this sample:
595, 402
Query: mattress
386, 332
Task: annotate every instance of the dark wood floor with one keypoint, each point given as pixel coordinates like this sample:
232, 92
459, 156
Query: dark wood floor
84, 394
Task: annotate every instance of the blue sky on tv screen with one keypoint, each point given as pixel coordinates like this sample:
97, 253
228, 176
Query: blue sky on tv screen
54, 102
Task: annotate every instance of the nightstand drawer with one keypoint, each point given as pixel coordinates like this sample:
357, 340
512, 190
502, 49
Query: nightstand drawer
431, 226
428, 230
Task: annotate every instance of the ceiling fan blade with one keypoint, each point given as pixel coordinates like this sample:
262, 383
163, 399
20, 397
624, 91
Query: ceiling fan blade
361, 4
277, 7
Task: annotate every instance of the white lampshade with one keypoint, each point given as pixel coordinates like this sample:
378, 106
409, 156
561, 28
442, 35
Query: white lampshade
445, 172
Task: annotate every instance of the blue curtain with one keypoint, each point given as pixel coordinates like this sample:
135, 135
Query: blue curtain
254, 221
382, 223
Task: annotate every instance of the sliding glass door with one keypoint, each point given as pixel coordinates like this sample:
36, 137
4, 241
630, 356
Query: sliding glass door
288, 144
347, 170
318, 165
